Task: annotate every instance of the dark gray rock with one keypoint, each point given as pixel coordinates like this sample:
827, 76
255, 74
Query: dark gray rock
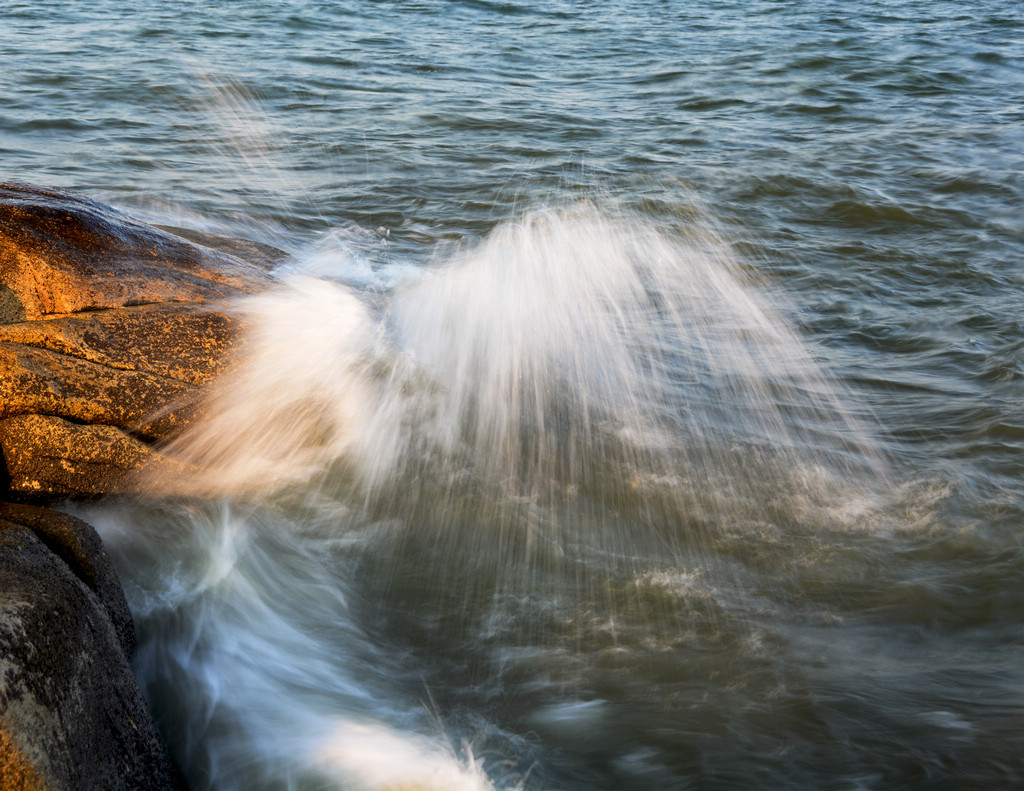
71, 713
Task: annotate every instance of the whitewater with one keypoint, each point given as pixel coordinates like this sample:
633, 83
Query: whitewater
639, 405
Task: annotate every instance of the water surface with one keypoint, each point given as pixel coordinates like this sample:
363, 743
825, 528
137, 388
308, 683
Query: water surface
642, 408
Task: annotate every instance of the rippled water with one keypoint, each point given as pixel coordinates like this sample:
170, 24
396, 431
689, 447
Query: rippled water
652, 418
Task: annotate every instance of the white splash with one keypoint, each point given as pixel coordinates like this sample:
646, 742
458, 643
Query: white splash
571, 352
373, 757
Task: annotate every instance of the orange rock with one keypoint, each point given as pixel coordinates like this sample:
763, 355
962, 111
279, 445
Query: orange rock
47, 455
109, 328
16, 771
139, 368
181, 341
63, 253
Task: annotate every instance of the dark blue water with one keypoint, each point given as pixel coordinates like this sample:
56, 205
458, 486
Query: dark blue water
714, 483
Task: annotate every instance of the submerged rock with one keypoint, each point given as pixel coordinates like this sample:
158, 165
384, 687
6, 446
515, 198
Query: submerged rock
71, 713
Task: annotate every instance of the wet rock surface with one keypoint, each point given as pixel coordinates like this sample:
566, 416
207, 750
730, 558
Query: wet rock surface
64, 253
71, 713
109, 330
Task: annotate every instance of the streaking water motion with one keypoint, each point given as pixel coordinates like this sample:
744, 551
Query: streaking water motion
455, 495
571, 353
572, 508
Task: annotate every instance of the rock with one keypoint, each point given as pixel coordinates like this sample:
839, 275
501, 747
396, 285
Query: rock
109, 328
264, 256
71, 713
185, 342
46, 455
79, 546
63, 253
137, 368
16, 773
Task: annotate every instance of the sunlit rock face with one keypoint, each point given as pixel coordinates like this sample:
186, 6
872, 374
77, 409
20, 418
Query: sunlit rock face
63, 253
83, 396
109, 328
71, 713
47, 455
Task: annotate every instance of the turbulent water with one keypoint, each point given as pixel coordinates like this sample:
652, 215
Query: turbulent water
641, 406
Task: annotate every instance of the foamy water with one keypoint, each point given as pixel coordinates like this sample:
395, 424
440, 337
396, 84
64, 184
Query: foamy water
641, 408
566, 348
579, 399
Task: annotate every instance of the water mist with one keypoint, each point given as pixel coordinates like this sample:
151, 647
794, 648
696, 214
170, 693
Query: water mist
503, 455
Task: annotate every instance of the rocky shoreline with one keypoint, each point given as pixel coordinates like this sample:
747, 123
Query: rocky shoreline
109, 330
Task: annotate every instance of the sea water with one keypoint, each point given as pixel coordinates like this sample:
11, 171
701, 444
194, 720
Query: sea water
640, 406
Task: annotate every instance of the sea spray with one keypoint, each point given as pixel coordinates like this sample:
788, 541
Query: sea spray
571, 355
786, 650
295, 401
584, 437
